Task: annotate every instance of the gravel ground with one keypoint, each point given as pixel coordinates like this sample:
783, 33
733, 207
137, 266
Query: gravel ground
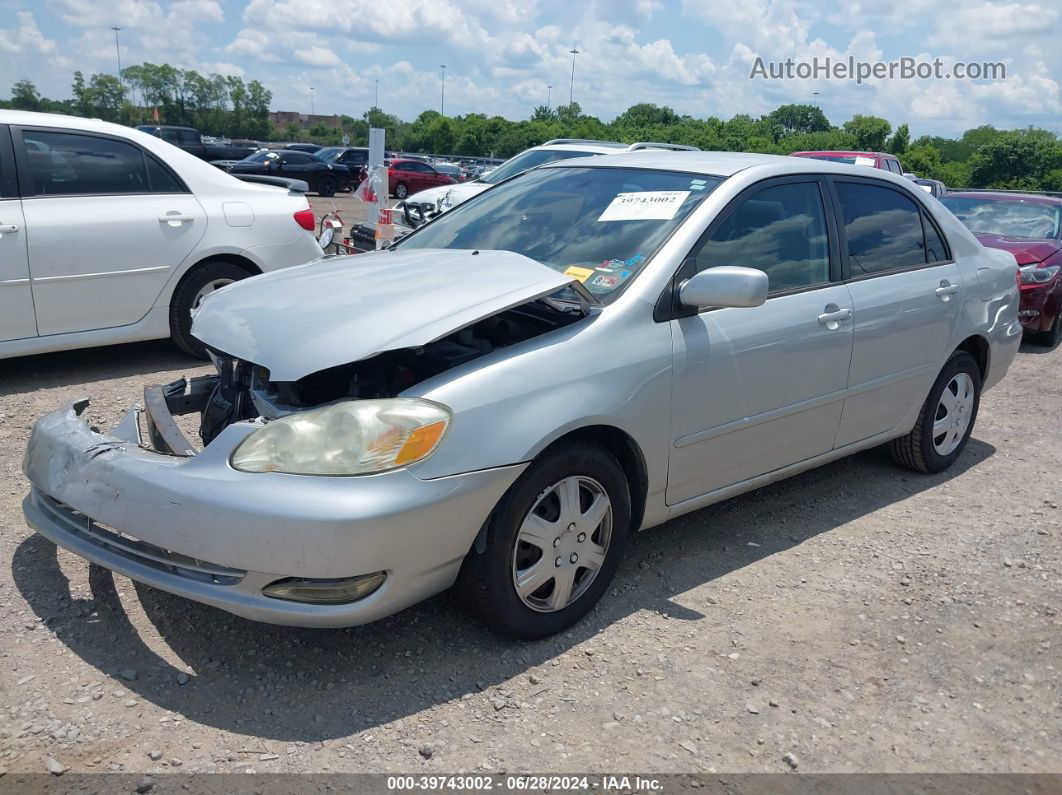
855, 618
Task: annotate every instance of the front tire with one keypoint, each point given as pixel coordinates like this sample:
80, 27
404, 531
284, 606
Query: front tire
946, 420
401, 191
196, 284
554, 543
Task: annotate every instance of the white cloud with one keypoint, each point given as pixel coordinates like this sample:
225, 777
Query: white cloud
693, 55
26, 38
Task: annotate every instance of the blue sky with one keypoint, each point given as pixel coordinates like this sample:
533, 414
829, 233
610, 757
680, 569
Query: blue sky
502, 54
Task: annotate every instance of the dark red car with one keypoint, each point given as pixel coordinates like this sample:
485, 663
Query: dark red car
881, 160
406, 177
1030, 228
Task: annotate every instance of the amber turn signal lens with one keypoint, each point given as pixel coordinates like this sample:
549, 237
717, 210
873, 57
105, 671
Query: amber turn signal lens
420, 442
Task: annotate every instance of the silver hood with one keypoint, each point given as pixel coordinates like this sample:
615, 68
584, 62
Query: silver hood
300, 320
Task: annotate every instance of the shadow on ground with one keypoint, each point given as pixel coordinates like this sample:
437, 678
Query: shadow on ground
89, 365
312, 685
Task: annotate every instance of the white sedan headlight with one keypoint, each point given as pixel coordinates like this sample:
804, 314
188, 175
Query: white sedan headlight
355, 437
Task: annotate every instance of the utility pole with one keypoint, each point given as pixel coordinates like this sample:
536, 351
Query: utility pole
442, 91
118, 52
312, 95
571, 90
549, 95
376, 95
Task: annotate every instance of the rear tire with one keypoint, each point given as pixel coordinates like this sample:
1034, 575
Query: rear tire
488, 580
212, 273
327, 187
401, 191
945, 421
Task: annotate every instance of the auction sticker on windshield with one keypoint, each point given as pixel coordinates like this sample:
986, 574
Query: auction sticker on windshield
644, 205
582, 274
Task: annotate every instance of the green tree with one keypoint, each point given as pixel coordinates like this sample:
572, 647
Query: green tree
869, 132
569, 114
797, 119
900, 140
1020, 159
24, 96
543, 113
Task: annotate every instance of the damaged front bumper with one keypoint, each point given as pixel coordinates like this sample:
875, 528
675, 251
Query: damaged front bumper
192, 525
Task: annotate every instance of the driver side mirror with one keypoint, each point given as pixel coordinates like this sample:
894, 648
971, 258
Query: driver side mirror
725, 286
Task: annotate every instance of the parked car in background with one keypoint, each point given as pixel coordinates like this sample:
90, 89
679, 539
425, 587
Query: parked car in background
353, 157
311, 148
323, 178
1029, 227
109, 234
501, 398
452, 170
407, 176
549, 152
190, 140
881, 160
934, 187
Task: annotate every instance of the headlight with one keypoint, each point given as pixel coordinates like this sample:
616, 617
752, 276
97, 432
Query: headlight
355, 437
1034, 274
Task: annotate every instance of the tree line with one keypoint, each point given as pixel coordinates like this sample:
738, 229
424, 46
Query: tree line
986, 157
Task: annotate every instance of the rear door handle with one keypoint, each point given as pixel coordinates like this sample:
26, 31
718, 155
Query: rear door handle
8, 228
946, 290
832, 319
175, 218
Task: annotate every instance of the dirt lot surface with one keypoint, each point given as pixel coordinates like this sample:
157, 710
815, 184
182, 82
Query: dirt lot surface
858, 618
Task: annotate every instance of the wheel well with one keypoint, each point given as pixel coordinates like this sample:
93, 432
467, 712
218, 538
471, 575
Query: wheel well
977, 347
630, 457
235, 259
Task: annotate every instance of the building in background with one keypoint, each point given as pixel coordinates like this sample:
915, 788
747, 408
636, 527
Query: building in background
282, 118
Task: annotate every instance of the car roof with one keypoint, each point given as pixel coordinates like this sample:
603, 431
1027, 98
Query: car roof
597, 147
1034, 198
722, 164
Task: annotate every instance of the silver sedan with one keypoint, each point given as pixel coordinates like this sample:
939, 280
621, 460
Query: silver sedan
500, 399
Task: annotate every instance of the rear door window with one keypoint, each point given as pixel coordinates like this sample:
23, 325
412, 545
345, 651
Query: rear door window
883, 228
66, 164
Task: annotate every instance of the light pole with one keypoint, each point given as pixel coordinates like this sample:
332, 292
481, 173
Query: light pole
549, 95
442, 91
312, 95
571, 90
376, 94
118, 52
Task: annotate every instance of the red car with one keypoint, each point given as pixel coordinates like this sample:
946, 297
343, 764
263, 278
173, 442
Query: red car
406, 177
880, 160
1030, 228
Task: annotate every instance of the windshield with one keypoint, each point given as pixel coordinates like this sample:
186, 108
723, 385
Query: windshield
449, 170
525, 161
1007, 217
597, 225
257, 157
331, 154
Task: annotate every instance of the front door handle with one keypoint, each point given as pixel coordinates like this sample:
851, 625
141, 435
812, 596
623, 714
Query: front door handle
833, 316
175, 218
946, 290
8, 228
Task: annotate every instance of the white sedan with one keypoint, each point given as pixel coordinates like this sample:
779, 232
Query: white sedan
111, 235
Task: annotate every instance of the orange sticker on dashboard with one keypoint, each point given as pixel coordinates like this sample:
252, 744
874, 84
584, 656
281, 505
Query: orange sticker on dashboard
582, 274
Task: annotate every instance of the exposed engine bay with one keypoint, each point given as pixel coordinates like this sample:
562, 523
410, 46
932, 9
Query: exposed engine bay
242, 390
